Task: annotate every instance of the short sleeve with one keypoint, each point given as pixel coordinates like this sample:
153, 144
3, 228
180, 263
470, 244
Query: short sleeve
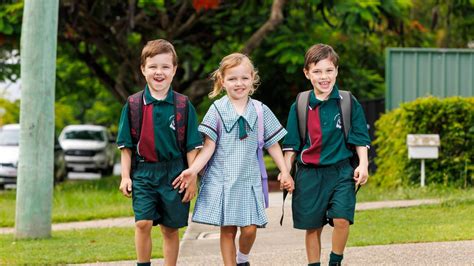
292, 141
124, 138
193, 138
273, 130
358, 134
208, 125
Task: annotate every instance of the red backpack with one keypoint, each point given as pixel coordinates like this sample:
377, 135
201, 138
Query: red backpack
135, 116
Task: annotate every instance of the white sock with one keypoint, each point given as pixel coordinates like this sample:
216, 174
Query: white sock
241, 257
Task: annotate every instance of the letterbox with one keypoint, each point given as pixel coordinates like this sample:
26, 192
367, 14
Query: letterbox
423, 146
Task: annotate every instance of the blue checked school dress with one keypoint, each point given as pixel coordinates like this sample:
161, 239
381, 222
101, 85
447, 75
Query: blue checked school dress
231, 187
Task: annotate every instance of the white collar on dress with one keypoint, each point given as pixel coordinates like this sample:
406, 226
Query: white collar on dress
229, 116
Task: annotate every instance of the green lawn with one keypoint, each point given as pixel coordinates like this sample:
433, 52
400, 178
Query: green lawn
449, 221
77, 246
98, 199
371, 193
76, 201
85, 200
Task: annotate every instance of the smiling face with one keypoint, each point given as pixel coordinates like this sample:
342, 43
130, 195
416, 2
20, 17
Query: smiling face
238, 81
159, 72
322, 76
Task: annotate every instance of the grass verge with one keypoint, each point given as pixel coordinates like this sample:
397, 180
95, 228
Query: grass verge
76, 246
372, 193
448, 221
76, 201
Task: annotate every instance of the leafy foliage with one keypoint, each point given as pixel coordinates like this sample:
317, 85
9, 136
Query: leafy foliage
452, 118
64, 114
11, 112
99, 44
10, 27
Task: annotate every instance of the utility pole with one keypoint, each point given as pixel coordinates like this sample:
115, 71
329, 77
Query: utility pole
36, 159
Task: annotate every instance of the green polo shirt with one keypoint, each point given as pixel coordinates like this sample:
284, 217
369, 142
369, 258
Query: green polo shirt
166, 145
325, 144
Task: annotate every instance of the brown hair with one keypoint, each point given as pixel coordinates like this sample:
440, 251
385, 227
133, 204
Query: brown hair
231, 61
320, 52
158, 46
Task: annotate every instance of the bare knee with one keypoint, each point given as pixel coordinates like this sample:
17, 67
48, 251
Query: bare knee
144, 225
248, 231
169, 232
314, 232
228, 232
341, 224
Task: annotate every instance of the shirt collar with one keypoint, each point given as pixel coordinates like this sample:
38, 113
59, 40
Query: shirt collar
148, 99
313, 101
230, 117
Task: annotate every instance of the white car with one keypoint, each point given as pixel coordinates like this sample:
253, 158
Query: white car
88, 148
9, 150
9, 155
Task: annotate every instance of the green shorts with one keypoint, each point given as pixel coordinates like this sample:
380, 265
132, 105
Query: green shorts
154, 197
322, 194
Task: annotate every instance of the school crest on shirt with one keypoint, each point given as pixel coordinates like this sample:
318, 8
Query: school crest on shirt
171, 122
337, 118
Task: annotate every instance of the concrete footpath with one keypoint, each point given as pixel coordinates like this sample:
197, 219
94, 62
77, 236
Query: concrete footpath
283, 245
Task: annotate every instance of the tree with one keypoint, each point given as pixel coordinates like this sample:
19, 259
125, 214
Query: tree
108, 35
10, 27
100, 44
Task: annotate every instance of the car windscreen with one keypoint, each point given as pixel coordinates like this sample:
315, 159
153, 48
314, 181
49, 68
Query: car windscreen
9, 137
85, 135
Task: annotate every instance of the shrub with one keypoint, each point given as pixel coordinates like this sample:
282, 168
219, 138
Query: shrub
452, 118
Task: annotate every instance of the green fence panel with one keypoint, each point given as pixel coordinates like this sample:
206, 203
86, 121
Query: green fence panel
418, 72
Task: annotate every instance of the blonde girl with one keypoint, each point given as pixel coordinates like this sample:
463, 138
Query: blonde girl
231, 193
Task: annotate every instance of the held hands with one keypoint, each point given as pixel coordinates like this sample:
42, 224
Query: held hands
186, 181
361, 174
286, 182
126, 187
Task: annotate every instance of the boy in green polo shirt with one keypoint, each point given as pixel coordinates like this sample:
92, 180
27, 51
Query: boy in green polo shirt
151, 141
325, 180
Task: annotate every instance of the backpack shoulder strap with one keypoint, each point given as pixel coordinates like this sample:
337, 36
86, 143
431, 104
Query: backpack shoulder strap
260, 133
345, 104
302, 102
180, 119
135, 104
260, 129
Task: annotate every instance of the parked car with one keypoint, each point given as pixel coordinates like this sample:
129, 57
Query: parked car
9, 155
88, 148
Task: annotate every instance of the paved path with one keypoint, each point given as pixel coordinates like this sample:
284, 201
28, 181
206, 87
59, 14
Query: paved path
275, 201
283, 245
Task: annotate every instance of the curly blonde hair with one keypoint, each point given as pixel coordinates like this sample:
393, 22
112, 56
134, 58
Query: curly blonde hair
228, 62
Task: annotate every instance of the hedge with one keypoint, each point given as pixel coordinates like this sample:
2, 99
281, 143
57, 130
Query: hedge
452, 118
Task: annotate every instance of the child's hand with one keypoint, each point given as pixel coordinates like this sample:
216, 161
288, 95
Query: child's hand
184, 180
286, 182
126, 187
190, 191
361, 174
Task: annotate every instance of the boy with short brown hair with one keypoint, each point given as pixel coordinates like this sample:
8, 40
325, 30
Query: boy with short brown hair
325, 180
157, 136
